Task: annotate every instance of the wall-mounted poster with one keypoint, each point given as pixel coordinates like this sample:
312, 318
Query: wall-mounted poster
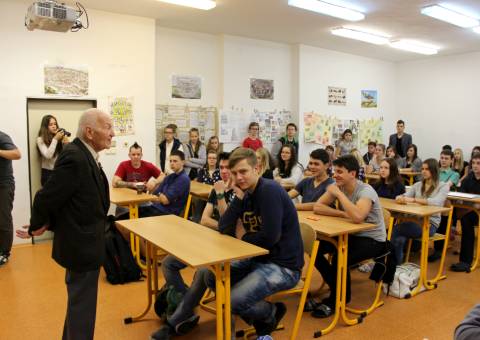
318, 128
121, 110
63, 80
369, 98
186, 87
261, 88
337, 96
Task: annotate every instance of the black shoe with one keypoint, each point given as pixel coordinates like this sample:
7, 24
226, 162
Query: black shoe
164, 333
323, 311
4, 258
460, 267
310, 305
437, 255
266, 328
187, 325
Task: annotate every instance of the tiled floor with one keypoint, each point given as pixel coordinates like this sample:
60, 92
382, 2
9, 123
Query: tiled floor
33, 298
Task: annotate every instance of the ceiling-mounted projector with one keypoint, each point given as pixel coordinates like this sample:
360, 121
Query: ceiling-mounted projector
50, 15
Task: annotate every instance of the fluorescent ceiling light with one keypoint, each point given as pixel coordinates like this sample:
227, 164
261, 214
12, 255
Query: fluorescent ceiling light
328, 9
200, 4
477, 29
415, 47
360, 35
452, 17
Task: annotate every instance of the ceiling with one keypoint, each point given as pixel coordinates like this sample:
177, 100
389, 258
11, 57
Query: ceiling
274, 20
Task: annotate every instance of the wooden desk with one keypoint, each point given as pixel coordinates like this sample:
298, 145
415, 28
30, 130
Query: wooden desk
422, 212
370, 177
468, 203
129, 198
340, 228
410, 174
176, 235
197, 189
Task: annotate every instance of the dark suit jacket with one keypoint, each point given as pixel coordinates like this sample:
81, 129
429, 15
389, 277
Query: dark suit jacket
74, 202
406, 141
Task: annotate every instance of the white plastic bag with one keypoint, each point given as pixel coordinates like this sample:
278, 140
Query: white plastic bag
405, 280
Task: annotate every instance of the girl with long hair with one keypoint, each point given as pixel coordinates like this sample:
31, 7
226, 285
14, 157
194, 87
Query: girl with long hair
289, 171
459, 164
358, 156
214, 144
430, 191
195, 154
345, 144
390, 184
50, 142
264, 163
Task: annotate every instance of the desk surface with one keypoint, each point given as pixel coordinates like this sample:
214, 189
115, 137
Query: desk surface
411, 208
452, 195
332, 226
190, 242
372, 176
200, 189
408, 171
124, 196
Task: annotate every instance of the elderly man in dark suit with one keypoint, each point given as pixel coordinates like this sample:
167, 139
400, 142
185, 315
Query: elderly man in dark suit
74, 204
400, 140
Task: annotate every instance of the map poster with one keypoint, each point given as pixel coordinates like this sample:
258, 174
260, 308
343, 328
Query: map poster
64, 80
186, 87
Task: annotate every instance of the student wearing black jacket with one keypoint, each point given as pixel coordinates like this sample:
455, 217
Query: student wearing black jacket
169, 144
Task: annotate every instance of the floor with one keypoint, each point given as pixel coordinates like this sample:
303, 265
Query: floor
33, 300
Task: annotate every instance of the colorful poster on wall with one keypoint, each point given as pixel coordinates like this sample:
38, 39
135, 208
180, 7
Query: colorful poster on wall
186, 87
261, 88
371, 130
369, 98
337, 96
121, 110
65, 80
318, 128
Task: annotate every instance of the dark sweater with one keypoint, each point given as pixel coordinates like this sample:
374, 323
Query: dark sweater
270, 221
389, 191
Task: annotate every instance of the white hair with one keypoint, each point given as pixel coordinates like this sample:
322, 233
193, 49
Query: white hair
88, 118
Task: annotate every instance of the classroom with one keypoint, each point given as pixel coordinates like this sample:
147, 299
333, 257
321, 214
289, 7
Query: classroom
268, 133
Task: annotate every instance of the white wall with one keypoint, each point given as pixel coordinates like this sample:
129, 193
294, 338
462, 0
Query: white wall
320, 68
439, 100
119, 51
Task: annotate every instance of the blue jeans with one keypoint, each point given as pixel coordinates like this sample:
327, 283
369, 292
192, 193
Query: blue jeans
251, 282
171, 271
404, 231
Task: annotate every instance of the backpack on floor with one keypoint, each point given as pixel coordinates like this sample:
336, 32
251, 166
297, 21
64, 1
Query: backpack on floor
120, 265
405, 280
167, 301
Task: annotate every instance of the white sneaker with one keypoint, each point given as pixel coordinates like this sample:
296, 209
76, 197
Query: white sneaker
3, 259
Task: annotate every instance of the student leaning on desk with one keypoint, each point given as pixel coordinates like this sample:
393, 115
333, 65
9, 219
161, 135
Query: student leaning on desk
360, 203
268, 220
430, 191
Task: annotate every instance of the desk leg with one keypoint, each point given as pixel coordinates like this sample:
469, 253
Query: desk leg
422, 281
411, 179
220, 300
187, 206
135, 240
440, 275
340, 293
343, 249
150, 292
477, 255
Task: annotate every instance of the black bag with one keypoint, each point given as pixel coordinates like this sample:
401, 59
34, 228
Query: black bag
119, 264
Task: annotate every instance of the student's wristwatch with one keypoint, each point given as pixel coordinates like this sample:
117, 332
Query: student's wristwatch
220, 195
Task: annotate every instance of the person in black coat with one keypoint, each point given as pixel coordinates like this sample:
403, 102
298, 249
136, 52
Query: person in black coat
169, 144
74, 205
400, 140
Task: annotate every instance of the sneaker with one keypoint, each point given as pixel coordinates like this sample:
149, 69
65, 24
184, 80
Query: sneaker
322, 311
187, 325
4, 259
265, 328
264, 337
310, 305
164, 333
460, 267
435, 256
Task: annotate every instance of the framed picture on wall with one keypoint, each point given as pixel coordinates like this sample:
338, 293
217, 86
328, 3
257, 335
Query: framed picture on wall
369, 98
186, 87
337, 96
261, 88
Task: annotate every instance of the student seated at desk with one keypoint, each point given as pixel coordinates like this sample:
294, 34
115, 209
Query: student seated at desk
210, 173
265, 163
471, 185
360, 203
361, 170
430, 191
268, 220
392, 153
311, 188
288, 171
136, 170
220, 197
411, 160
374, 164
446, 173
390, 183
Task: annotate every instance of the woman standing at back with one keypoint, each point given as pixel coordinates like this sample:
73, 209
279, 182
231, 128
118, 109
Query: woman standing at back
50, 142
